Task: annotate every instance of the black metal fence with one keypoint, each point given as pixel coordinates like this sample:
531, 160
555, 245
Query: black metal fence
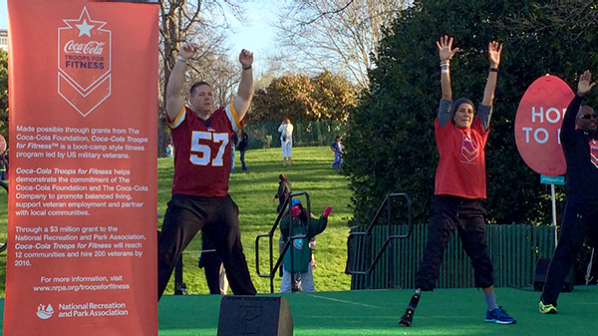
514, 250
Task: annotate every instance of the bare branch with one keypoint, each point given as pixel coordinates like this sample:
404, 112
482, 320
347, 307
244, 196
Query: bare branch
335, 34
327, 13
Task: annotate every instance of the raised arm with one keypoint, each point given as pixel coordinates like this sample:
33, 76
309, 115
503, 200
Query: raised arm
445, 52
584, 86
318, 225
494, 51
174, 97
245, 93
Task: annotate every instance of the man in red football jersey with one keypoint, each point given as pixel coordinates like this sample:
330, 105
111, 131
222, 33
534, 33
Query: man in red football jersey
200, 199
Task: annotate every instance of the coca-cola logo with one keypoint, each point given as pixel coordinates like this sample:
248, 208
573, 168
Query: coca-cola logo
89, 48
84, 62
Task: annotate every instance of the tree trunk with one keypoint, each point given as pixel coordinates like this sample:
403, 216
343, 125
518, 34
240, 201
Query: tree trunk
163, 137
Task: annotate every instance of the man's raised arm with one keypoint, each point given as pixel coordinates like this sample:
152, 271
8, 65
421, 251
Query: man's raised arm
174, 97
245, 93
584, 87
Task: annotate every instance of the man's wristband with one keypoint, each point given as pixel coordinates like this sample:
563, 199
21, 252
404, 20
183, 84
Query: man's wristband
247, 67
182, 59
493, 69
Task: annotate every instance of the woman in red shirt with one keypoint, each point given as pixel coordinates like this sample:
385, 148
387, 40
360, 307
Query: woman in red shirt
460, 185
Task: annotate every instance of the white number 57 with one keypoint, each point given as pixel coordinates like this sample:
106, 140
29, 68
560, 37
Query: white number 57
202, 154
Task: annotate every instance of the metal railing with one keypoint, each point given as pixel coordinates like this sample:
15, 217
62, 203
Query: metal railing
270, 235
389, 237
513, 248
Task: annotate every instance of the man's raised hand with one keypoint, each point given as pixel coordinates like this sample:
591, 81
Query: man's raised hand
187, 50
445, 50
494, 51
585, 83
246, 58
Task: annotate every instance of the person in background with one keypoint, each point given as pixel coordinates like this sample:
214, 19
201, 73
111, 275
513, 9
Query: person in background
300, 235
312, 247
286, 141
210, 261
243, 147
337, 148
6, 158
284, 190
169, 151
233, 144
3, 166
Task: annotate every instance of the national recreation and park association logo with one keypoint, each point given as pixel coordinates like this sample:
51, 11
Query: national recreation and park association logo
45, 312
84, 63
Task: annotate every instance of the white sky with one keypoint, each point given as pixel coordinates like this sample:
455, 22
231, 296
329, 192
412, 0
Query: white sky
254, 35
3, 15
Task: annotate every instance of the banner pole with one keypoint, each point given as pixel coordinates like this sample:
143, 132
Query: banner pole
556, 240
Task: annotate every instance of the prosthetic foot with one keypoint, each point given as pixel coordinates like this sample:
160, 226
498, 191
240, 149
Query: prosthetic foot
407, 318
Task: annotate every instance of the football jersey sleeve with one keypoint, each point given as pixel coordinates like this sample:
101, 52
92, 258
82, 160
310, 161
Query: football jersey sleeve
231, 113
179, 118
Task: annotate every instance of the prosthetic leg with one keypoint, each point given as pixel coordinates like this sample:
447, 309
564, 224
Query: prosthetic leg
407, 318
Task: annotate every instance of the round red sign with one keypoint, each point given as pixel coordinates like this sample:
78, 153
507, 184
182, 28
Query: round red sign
2, 144
538, 125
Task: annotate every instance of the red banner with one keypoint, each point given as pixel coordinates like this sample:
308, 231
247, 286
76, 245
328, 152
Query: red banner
538, 125
83, 172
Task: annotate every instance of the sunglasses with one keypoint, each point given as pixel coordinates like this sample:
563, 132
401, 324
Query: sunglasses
588, 116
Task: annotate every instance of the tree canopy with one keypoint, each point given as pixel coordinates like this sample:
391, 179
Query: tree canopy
391, 145
324, 97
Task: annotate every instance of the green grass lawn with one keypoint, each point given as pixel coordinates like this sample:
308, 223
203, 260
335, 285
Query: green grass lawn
253, 192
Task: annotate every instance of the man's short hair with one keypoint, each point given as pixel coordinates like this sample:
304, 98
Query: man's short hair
196, 85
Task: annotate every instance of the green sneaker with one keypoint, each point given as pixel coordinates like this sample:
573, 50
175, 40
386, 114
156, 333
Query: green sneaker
546, 308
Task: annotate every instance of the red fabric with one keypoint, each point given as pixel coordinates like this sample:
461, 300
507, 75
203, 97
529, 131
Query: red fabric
593, 152
209, 179
462, 167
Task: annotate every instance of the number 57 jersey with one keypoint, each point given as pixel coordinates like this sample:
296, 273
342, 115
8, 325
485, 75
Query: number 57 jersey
202, 158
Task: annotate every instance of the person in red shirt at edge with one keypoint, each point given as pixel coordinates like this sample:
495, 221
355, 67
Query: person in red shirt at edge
460, 185
200, 199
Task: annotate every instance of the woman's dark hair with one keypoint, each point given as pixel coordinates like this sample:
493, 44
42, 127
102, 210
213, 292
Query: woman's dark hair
458, 103
282, 177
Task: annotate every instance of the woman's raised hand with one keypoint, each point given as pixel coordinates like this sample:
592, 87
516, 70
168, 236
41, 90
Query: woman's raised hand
445, 51
494, 51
